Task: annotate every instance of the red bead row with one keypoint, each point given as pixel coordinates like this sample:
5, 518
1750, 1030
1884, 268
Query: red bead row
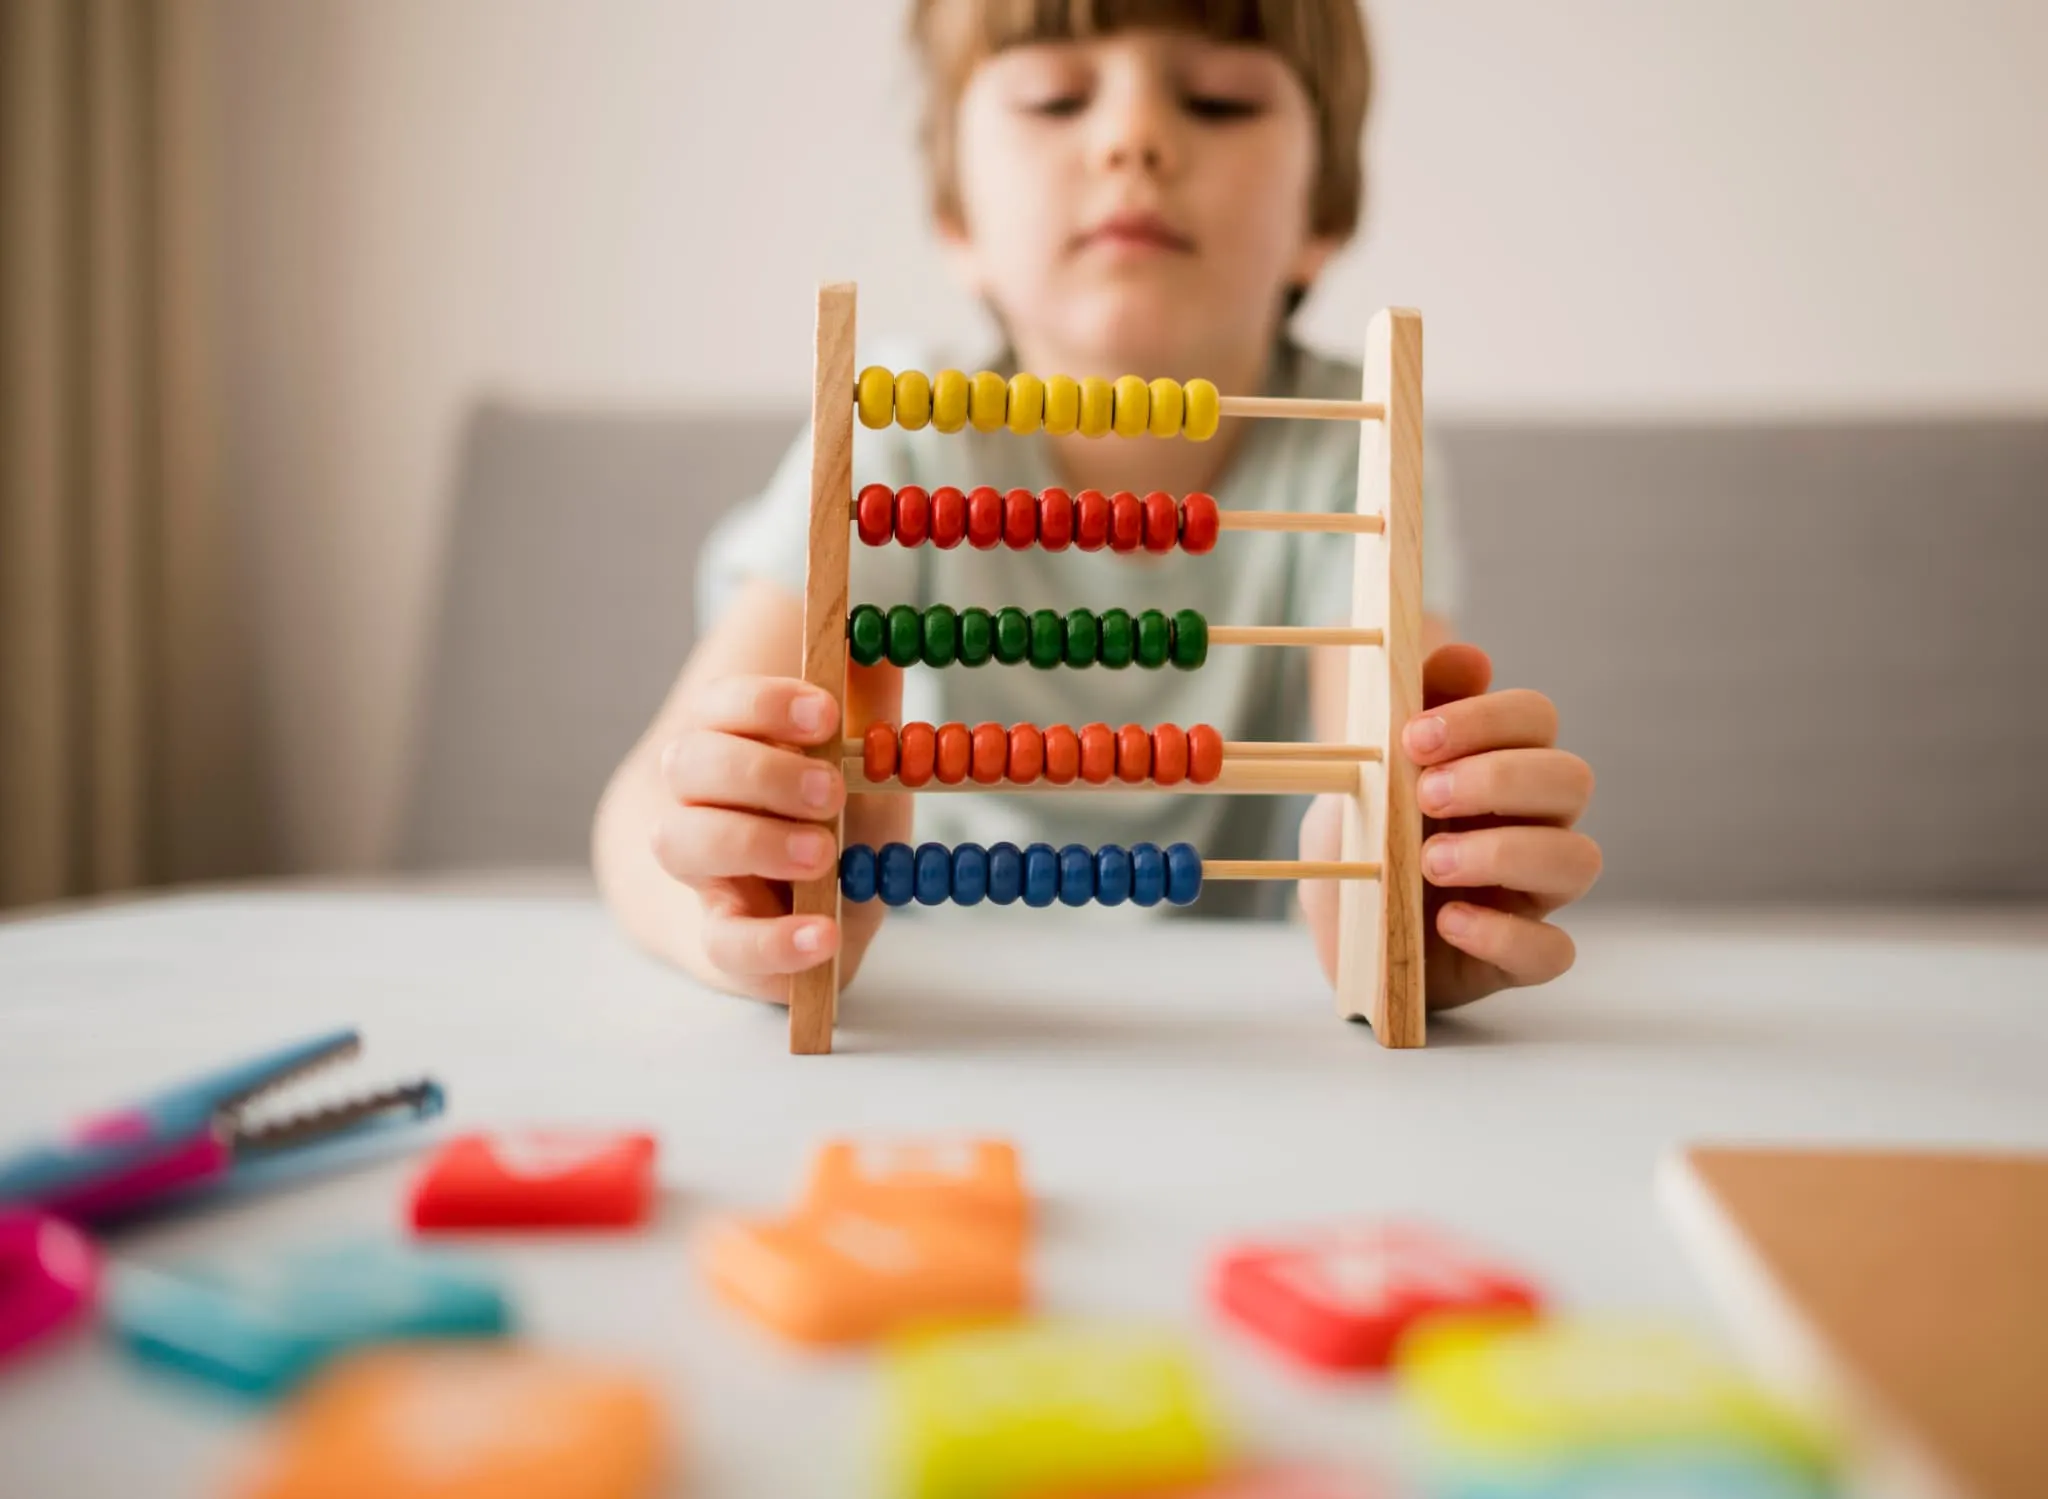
988, 753
985, 518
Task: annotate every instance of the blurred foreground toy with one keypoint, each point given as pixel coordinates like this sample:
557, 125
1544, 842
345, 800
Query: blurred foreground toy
261, 1326
48, 1275
1342, 1298
1572, 1410
531, 1179
463, 1423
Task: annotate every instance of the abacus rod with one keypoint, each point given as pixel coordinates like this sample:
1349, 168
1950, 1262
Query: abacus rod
1246, 778
1265, 520
1287, 869
1293, 635
1299, 408
1236, 749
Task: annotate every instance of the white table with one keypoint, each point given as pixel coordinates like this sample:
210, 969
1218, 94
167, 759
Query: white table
1170, 1090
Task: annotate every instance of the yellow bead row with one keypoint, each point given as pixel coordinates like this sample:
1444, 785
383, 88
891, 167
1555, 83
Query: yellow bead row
1060, 404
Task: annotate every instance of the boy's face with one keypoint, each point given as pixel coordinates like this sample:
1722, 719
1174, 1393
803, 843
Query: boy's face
1140, 199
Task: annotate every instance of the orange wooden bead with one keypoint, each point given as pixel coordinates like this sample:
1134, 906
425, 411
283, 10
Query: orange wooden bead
1098, 753
991, 753
1169, 755
1133, 753
1062, 754
1027, 753
916, 752
878, 751
1205, 754
955, 752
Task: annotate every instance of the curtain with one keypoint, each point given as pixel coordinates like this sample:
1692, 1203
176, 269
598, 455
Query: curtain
125, 749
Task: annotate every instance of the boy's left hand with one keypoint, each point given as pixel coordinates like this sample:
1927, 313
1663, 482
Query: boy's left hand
1499, 853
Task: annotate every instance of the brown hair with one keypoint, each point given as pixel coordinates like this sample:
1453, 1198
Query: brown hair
1323, 41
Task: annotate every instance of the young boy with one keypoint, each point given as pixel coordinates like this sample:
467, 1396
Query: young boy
1131, 186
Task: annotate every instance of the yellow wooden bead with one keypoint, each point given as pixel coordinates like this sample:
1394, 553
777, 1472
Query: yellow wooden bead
913, 399
949, 401
1062, 405
1098, 405
1133, 406
876, 396
1198, 422
1027, 403
1166, 406
989, 404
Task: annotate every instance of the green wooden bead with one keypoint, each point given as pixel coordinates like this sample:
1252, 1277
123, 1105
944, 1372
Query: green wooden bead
1117, 641
1084, 638
1155, 639
977, 636
906, 636
1013, 636
1048, 639
941, 635
1190, 640
867, 635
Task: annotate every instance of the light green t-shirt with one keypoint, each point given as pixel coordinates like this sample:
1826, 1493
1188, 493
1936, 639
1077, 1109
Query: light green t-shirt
1250, 578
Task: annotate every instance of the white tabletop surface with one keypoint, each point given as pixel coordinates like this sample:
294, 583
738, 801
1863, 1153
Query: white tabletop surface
1170, 1089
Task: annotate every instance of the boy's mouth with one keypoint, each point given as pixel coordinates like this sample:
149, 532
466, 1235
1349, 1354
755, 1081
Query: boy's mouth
1136, 231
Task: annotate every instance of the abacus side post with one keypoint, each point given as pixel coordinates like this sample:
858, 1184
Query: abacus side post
1380, 930
814, 993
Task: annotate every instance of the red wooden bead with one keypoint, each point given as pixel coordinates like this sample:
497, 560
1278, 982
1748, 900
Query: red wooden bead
913, 516
991, 755
916, 752
876, 514
1162, 521
1020, 519
1027, 753
1062, 754
1205, 754
1091, 520
954, 753
949, 517
1055, 520
1199, 522
878, 751
1098, 754
1126, 522
1133, 753
1169, 755
984, 518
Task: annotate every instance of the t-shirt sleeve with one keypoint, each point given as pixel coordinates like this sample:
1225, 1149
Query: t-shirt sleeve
1327, 598
768, 537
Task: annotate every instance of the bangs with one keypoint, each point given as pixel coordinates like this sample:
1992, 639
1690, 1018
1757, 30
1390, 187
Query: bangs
986, 27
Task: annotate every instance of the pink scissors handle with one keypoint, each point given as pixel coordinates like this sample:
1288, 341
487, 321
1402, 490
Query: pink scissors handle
48, 1274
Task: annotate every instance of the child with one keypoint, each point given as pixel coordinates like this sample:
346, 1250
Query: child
1131, 187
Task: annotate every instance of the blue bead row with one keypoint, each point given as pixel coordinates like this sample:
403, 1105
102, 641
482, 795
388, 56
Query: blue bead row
932, 874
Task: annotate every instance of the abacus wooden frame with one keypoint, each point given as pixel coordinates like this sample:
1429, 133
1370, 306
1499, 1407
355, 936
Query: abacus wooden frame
1380, 920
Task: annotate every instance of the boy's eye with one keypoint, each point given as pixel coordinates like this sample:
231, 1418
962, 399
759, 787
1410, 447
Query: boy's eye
1220, 107
1057, 106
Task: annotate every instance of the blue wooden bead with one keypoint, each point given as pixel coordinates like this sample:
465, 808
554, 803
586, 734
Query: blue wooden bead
970, 874
1041, 875
1077, 875
1183, 874
896, 874
933, 874
1005, 873
857, 872
1112, 874
1148, 874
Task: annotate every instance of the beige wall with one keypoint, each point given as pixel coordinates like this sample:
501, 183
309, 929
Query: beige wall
1717, 206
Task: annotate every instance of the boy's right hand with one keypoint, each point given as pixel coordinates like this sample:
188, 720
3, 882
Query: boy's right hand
752, 813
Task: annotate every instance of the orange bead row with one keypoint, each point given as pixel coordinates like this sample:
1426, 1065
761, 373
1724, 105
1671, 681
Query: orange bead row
988, 753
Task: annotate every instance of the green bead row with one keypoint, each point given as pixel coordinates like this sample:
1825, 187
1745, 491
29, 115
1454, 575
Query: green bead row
942, 636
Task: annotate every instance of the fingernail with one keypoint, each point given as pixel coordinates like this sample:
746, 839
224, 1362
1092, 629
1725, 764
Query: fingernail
808, 849
810, 938
808, 713
1427, 734
1440, 856
1455, 921
817, 788
1434, 789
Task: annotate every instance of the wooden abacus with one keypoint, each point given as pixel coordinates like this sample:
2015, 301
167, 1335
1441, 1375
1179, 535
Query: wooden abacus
1380, 932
